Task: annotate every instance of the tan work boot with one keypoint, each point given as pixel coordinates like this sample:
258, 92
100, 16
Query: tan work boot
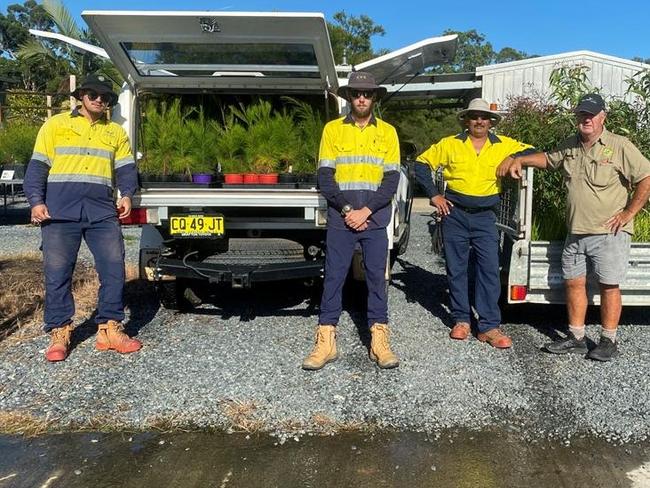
59, 343
111, 336
380, 347
324, 350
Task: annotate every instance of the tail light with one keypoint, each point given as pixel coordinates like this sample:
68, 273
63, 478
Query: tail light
136, 217
518, 292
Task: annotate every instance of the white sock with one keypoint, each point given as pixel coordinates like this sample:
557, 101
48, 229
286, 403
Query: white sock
609, 333
578, 331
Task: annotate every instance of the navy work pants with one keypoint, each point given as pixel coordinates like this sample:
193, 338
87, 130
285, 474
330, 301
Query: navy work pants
462, 231
340, 249
61, 241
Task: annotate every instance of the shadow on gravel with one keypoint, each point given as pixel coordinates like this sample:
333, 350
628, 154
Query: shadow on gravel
139, 298
424, 287
288, 299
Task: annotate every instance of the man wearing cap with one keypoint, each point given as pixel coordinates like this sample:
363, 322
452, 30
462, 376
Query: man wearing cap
69, 186
468, 209
599, 169
358, 175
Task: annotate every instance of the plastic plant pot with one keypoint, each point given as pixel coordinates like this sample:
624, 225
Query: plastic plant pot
251, 178
268, 179
202, 178
233, 178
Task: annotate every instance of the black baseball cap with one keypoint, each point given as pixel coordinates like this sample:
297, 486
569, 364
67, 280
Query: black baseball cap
591, 103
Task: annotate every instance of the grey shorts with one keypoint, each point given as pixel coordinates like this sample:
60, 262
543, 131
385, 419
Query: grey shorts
606, 254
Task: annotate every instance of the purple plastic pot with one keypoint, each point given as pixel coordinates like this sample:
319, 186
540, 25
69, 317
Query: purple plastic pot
202, 178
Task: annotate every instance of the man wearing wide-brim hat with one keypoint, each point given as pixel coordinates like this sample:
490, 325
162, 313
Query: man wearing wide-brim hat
600, 169
358, 175
469, 207
69, 184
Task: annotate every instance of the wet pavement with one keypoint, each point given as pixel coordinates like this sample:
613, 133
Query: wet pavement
452, 459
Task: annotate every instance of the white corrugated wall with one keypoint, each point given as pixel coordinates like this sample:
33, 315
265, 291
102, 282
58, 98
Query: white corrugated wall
530, 76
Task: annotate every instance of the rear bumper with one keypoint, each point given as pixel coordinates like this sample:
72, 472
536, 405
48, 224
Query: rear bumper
239, 276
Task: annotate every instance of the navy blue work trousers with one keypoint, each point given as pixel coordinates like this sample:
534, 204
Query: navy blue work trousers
61, 241
461, 232
340, 249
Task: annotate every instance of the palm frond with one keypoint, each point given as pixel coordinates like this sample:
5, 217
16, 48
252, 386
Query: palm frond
61, 16
33, 49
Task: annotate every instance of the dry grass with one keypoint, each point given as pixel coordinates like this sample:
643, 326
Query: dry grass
22, 423
241, 416
22, 294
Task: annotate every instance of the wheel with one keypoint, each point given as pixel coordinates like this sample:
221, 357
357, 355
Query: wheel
177, 295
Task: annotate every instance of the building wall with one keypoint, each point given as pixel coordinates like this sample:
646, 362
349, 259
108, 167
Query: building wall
530, 76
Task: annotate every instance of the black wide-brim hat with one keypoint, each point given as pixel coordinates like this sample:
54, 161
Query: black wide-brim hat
99, 84
361, 81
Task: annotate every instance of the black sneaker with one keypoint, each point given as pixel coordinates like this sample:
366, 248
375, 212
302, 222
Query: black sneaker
604, 351
568, 345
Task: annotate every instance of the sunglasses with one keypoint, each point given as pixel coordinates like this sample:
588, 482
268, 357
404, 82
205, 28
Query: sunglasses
362, 93
479, 115
103, 97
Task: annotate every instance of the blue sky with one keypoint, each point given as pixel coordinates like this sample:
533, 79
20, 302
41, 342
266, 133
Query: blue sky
618, 28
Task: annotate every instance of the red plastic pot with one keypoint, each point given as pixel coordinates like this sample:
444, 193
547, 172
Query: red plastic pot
233, 178
268, 179
251, 178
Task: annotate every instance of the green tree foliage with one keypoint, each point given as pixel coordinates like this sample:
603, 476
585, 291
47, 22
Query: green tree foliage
474, 50
14, 32
352, 35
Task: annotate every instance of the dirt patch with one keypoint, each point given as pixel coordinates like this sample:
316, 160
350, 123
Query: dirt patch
22, 294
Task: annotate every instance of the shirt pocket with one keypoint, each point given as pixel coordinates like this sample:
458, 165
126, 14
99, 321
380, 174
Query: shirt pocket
108, 140
66, 136
379, 146
602, 173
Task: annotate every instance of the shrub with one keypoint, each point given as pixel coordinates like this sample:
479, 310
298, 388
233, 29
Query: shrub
17, 142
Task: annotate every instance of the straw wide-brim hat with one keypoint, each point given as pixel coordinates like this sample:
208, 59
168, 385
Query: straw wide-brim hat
360, 80
480, 105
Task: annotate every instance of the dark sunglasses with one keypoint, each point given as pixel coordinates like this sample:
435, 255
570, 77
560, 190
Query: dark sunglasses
479, 115
362, 93
103, 97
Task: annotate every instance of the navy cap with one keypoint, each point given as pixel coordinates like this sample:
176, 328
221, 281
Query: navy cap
591, 103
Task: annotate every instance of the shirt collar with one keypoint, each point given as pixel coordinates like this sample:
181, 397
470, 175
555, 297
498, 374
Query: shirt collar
75, 113
349, 120
492, 137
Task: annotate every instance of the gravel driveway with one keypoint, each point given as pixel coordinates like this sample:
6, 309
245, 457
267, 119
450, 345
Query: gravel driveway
235, 363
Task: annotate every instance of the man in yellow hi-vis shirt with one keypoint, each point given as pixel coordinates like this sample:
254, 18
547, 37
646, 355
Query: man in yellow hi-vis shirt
358, 175
468, 208
69, 186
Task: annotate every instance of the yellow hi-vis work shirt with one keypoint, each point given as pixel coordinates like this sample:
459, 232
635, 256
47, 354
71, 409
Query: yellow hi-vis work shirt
362, 159
359, 156
76, 164
465, 171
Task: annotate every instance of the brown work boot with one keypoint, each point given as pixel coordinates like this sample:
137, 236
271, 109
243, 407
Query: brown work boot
111, 336
324, 349
59, 343
380, 347
460, 331
495, 338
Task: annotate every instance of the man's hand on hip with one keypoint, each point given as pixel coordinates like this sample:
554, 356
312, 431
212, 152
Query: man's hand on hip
618, 221
442, 205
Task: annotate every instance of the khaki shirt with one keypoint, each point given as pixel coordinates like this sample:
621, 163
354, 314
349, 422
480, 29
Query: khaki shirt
598, 180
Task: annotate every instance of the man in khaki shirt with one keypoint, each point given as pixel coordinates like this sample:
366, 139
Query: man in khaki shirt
600, 170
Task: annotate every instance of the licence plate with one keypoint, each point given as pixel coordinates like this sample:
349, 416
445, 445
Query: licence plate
196, 225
